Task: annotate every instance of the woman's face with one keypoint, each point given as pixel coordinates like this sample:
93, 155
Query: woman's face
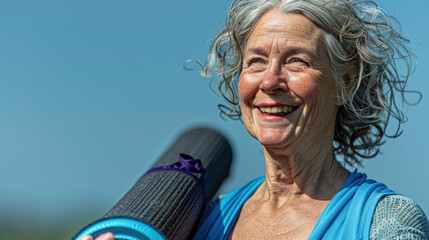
286, 91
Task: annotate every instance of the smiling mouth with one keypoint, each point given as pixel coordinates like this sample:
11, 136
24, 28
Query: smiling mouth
277, 111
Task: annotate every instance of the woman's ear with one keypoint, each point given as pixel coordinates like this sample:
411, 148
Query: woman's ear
349, 81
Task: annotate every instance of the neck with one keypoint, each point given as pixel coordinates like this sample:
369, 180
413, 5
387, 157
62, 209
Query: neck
302, 175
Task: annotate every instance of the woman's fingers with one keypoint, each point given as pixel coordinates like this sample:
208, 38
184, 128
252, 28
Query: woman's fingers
87, 237
105, 236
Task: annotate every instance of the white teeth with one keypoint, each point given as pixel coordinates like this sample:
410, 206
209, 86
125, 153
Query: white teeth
277, 110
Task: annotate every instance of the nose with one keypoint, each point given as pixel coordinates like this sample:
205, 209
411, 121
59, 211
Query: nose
273, 81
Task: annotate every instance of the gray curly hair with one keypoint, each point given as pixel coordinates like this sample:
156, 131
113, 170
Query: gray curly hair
357, 34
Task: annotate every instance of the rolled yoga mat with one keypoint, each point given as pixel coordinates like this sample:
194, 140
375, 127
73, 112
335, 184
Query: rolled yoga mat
167, 201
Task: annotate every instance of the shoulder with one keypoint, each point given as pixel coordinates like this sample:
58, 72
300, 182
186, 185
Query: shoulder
208, 209
399, 217
231, 202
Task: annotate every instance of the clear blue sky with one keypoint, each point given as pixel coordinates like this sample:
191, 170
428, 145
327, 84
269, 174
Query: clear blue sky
92, 92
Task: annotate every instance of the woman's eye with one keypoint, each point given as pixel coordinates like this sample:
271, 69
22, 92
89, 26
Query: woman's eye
255, 60
297, 64
297, 60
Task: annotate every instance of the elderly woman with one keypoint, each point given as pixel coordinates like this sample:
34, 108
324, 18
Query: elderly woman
313, 80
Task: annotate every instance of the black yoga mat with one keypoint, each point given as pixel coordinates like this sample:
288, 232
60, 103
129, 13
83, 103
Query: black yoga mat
166, 202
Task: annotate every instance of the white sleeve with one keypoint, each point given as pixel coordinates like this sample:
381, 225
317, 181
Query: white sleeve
399, 217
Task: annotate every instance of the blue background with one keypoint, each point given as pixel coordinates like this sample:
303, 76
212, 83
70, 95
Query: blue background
92, 92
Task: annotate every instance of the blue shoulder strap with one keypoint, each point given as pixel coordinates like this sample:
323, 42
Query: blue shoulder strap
221, 220
349, 213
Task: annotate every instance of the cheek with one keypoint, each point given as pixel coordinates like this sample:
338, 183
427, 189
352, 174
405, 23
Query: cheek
318, 93
248, 85
305, 88
247, 89
244, 96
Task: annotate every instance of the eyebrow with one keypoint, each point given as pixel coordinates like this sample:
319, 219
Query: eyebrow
289, 50
259, 51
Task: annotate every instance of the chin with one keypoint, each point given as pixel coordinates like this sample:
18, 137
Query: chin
272, 139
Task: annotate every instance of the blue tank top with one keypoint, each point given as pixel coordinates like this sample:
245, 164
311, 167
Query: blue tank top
347, 216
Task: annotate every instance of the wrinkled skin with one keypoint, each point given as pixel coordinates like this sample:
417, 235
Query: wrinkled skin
286, 64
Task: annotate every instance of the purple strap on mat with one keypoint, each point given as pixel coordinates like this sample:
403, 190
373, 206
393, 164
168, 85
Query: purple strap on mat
189, 164
186, 165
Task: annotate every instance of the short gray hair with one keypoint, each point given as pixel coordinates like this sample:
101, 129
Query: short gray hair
356, 34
